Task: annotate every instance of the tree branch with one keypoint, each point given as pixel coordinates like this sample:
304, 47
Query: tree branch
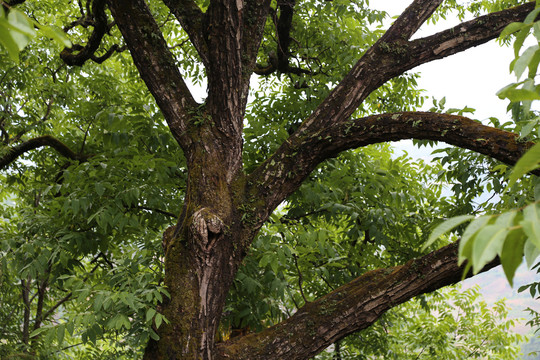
411, 19
465, 35
255, 18
100, 28
228, 84
350, 308
25, 294
46, 140
156, 64
284, 171
283, 29
279, 61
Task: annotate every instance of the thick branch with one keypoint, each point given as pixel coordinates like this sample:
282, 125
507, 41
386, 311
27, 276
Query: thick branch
228, 80
411, 19
284, 171
256, 14
350, 308
47, 140
466, 35
283, 28
155, 63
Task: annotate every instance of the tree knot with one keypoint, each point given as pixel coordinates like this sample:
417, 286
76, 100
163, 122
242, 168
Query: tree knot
206, 228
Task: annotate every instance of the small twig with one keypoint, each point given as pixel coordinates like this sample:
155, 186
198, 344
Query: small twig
300, 278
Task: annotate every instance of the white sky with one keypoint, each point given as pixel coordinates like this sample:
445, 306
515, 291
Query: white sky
471, 78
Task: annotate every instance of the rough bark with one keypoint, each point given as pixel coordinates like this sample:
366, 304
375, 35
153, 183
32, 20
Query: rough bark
351, 307
156, 65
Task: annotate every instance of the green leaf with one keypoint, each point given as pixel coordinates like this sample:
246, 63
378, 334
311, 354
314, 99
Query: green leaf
98, 301
528, 162
512, 253
487, 244
511, 28
20, 23
531, 227
531, 17
158, 320
515, 95
7, 41
100, 189
70, 326
528, 128
154, 335
520, 38
60, 332
533, 64
56, 34
531, 253
506, 219
150, 314
38, 331
524, 60
445, 227
467, 239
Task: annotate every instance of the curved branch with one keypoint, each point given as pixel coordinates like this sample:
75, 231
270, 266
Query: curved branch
113, 49
85, 53
350, 308
284, 171
47, 140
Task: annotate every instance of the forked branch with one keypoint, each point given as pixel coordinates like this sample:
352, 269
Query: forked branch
394, 54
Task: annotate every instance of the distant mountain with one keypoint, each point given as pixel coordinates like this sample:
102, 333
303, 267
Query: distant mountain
494, 286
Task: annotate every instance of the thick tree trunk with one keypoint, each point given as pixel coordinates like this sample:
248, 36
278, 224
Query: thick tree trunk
201, 252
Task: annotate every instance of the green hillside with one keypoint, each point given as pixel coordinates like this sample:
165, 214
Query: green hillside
494, 286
